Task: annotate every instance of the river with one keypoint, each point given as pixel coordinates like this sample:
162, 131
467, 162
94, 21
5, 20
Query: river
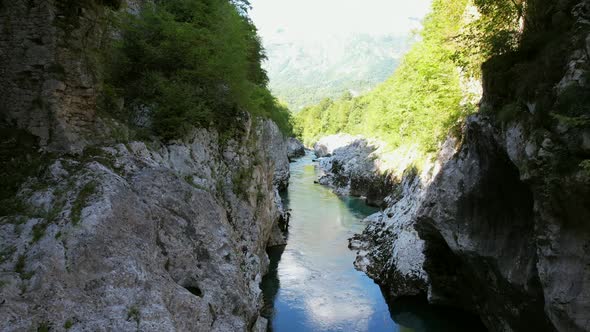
312, 284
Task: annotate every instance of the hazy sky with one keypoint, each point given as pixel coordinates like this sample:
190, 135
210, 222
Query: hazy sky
312, 19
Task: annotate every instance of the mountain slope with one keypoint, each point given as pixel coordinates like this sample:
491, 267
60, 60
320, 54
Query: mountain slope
304, 72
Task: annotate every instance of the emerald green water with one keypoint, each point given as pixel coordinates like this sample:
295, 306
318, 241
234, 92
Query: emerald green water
312, 284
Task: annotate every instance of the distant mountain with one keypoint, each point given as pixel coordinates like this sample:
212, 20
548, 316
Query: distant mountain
304, 72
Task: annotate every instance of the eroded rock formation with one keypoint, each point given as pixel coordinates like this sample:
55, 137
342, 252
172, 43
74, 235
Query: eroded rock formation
351, 166
501, 227
102, 235
295, 148
155, 238
50, 68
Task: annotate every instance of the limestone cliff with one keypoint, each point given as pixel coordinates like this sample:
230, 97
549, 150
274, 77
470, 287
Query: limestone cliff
295, 148
101, 233
501, 227
353, 165
168, 237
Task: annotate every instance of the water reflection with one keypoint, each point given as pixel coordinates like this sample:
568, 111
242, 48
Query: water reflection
314, 287
312, 284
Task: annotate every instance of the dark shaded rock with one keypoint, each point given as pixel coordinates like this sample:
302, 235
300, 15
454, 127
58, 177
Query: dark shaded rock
478, 226
295, 148
48, 75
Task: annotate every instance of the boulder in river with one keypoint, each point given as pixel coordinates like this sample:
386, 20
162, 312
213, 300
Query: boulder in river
295, 148
351, 167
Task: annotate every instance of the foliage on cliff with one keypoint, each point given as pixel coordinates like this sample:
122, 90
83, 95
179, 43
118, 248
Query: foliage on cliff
191, 62
416, 105
423, 99
544, 82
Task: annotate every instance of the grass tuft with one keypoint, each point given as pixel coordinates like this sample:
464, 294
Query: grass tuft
82, 200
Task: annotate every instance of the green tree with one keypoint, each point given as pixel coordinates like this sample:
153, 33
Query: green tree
416, 106
192, 63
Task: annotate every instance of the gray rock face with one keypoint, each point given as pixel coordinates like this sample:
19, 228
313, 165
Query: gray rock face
295, 148
277, 148
150, 238
131, 236
514, 198
479, 227
514, 238
326, 146
502, 227
390, 249
48, 78
502, 240
349, 167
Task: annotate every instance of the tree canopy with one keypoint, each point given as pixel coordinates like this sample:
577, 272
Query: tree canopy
191, 63
424, 99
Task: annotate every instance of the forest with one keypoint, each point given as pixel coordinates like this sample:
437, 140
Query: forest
189, 63
424, 99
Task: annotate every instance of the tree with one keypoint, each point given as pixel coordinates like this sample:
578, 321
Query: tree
192, 63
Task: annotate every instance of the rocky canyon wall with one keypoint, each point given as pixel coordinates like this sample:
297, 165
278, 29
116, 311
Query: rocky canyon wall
148, 236
133, 236
50, 66
501, 227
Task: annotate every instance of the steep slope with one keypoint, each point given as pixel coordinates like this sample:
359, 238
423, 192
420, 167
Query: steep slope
417, 105
503, 223
101, 231
47, 64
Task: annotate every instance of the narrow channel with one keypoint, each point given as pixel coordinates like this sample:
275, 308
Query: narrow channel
312, 284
